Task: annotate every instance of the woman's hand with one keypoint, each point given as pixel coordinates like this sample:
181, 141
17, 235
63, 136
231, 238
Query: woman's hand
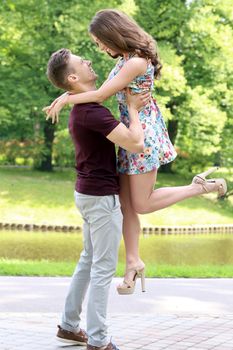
56, 106
137, 101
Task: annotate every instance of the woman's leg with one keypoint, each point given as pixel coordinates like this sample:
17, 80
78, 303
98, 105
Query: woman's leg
147, 200
131, 226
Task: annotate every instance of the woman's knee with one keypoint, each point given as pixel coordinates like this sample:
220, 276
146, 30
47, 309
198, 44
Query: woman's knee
139, 206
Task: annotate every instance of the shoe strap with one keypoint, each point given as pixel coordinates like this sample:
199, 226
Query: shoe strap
201, 181
128, 284
136, 270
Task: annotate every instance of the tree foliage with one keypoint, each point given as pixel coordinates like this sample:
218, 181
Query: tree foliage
196, 45
195, 40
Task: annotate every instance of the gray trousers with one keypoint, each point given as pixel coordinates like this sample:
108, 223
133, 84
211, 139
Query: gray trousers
102, 230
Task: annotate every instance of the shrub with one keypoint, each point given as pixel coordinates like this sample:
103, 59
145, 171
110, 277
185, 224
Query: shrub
16, 152
63, 149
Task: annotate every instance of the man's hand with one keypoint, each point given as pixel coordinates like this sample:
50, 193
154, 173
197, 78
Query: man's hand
137, 101
56, 106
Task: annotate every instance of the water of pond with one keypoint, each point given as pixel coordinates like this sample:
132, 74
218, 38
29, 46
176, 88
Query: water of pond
173, 249
189, 249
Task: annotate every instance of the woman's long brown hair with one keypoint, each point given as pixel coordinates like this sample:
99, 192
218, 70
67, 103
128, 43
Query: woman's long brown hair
122, 34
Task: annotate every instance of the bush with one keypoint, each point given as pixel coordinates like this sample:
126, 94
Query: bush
63, 149
15, 152
28, 152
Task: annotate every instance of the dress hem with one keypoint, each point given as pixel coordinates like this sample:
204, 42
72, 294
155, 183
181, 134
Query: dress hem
147, 170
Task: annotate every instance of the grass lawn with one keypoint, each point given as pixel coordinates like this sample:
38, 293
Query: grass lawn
28, 196
51, 268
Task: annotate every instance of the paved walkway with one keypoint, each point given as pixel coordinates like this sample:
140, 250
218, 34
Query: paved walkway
174, 314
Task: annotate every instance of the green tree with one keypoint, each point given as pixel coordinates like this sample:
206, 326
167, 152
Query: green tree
195, 38
207, 43
195, 92
30, 32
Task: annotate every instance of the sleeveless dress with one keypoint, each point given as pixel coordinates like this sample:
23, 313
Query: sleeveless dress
158, 147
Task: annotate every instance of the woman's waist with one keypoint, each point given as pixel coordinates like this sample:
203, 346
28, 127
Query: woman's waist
121, 95
152, 105
149, 114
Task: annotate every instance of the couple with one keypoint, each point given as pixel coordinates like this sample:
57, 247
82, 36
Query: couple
143, 146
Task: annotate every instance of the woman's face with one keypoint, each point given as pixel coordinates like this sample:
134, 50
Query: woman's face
104, 48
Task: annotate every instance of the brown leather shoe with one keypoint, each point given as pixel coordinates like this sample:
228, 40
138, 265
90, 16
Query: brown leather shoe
110, 346
79, 338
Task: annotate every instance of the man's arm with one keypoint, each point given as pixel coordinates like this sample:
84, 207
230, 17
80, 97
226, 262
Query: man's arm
131, 69
132, 138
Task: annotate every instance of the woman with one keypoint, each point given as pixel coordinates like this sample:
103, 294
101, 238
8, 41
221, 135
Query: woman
119, 36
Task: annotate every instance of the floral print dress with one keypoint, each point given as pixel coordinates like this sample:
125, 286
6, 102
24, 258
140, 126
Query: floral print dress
158, 147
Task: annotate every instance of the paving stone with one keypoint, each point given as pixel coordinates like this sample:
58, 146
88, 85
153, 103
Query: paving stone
34, 331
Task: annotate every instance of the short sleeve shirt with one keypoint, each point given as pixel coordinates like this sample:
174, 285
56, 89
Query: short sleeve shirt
89, 124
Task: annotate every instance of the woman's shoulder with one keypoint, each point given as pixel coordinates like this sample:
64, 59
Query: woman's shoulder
140, 63
134, 57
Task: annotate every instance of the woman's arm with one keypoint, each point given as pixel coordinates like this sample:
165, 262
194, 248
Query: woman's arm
105, 82
131, 138
131, 69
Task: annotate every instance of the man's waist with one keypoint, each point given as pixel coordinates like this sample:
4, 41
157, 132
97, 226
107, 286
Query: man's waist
97, 186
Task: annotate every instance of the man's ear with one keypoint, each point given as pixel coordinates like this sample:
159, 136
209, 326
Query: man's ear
73, 78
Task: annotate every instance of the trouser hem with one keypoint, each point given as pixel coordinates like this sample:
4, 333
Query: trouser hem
98, 344
68, 328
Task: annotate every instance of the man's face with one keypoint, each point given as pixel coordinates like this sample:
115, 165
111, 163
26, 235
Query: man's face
83, 70
104, 48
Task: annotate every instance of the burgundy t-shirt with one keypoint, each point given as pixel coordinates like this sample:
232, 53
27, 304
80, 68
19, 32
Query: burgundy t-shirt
89, 124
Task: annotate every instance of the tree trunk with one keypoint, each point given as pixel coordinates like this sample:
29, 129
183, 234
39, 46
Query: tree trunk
46, 156
172, 128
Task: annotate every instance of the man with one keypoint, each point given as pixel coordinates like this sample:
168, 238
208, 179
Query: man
94, 132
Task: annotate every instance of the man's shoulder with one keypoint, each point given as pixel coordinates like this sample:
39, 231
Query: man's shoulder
95, 108
93, 116
92, 109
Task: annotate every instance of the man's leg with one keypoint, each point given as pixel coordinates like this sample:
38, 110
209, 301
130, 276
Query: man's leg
78, 287
105, 232
80, 279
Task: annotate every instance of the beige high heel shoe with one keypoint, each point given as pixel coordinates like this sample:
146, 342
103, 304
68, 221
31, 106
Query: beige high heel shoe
220, 184
128, 286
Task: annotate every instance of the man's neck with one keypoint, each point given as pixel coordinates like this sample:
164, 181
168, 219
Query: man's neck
83, 88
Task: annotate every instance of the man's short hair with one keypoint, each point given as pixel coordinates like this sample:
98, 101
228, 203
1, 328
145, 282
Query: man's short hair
58, 68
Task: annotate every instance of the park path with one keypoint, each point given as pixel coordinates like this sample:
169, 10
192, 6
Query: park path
174, 314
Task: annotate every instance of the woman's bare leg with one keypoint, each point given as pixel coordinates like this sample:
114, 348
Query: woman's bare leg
131, 227
147, 200
137, 195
